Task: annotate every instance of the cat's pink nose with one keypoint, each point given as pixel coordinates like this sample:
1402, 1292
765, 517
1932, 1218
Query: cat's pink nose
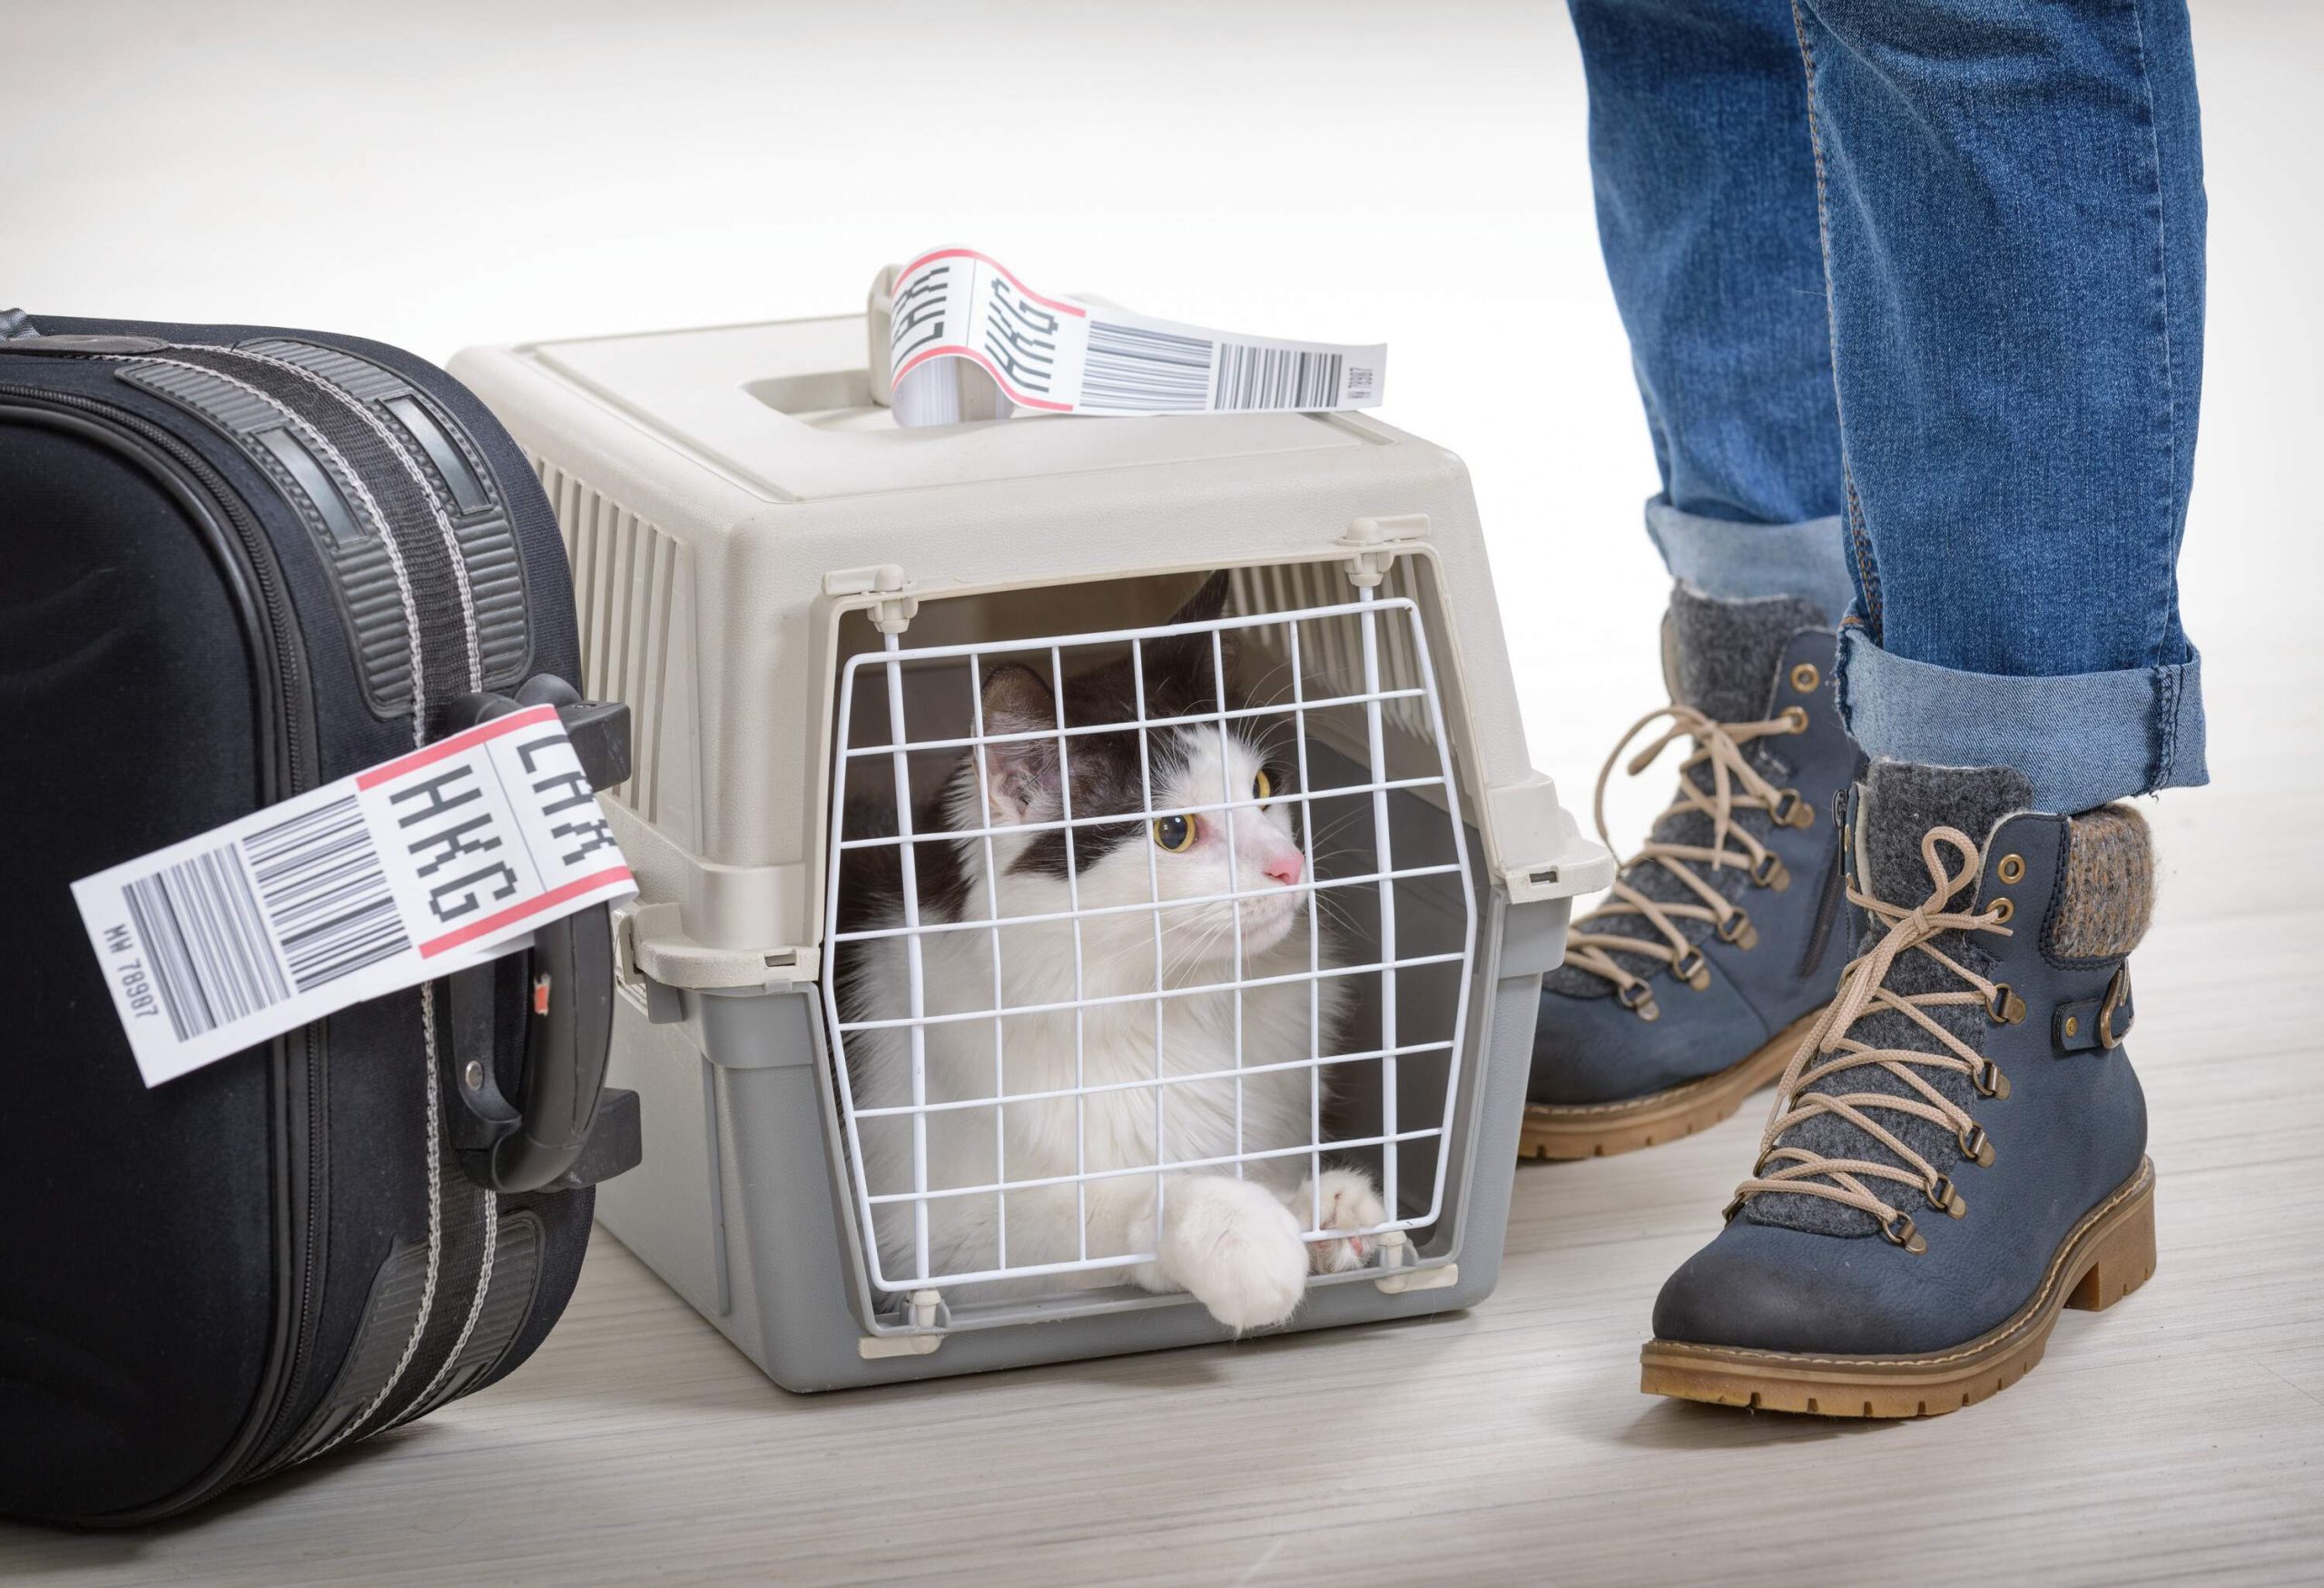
1285, 867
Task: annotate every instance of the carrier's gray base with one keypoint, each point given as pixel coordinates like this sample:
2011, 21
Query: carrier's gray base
741, 1206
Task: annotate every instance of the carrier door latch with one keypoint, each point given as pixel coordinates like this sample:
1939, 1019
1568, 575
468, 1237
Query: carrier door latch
656, 961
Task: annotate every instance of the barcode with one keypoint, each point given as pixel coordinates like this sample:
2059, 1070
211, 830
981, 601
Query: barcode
1151, 371
1282, 377
315, 880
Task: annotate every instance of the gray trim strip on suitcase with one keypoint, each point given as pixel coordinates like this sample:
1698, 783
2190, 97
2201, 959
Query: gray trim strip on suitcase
510, 1286
397, 1292
446, 471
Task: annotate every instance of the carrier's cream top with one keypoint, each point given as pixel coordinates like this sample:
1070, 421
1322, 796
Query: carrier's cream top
788, 409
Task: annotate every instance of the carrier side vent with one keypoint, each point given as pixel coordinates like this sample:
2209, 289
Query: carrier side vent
1334, 647
632, 596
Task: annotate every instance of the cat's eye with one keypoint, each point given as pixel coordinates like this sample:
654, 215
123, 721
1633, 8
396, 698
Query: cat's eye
1263, 788
1175, 834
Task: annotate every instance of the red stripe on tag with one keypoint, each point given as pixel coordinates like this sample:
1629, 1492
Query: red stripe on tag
904, 275
516, 912
387, 771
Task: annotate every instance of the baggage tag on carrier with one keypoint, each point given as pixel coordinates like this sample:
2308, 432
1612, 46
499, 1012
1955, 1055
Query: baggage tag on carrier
421, 866
1055, 355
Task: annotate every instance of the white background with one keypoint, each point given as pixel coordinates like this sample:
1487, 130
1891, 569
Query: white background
439, 174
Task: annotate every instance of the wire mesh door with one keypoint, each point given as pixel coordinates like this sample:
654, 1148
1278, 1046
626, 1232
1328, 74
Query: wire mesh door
1102, 920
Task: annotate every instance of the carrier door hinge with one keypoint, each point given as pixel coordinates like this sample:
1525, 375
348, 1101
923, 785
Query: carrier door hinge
890, 616
1396, 1257
1376, 542
925, 1311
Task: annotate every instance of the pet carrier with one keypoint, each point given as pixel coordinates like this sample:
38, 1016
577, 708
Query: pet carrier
926, 1054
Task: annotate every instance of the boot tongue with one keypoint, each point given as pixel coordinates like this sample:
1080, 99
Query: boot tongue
1720, 656
1901, 801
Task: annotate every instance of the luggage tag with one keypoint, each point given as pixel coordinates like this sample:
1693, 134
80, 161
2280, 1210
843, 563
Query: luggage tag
416, 868
1062, 355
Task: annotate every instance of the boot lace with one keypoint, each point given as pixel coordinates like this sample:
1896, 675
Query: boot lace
1735, 785
1829, 1051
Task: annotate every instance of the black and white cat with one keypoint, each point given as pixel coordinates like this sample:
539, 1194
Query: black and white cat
1080, 1081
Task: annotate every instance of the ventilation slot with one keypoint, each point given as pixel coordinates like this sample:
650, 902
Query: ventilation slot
627, 579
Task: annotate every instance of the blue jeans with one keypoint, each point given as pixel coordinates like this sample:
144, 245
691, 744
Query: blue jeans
1914, 295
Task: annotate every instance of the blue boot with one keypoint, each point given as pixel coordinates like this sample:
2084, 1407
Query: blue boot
1960, 1151
1687, 990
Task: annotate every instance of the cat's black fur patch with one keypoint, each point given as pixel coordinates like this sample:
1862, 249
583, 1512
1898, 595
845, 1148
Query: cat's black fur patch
874, 878
1182, 674
1181, 677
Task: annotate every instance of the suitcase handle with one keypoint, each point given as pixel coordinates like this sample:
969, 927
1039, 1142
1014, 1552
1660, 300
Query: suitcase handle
527, 1142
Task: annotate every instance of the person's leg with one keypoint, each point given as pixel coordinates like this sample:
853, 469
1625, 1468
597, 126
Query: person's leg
2013, 213
2014, 219
1706, 191
1680, 994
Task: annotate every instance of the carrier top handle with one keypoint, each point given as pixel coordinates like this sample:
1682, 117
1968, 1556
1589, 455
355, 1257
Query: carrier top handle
553, 1134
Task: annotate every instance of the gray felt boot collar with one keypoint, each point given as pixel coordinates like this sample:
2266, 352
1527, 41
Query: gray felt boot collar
1720, 656
1902, 800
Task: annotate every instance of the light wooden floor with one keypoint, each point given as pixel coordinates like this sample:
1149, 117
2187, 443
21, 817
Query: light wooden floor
2178, 1437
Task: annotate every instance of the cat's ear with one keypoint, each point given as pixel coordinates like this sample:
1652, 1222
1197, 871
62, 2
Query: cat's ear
1020, 774
1207, 603
1184, 666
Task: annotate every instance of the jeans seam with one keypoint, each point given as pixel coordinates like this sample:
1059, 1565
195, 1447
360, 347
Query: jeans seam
2167, 687
2160, 278
1860, 542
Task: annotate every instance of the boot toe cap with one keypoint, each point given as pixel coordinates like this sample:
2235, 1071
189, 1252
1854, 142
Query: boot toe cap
1767, 1288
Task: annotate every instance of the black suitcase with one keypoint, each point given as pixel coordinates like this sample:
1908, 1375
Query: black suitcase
237, 563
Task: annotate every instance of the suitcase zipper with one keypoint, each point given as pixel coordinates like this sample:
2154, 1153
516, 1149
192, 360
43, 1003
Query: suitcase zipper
287, 731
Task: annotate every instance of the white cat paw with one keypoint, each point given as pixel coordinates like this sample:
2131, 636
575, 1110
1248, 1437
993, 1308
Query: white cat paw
1349, 1202
1236, 1248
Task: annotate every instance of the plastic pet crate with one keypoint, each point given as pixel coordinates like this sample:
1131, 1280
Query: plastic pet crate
803, 604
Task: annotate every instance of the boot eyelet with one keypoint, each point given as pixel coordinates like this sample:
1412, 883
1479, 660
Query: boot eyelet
1946, 1197
1977, 1146
2005, 1008
1733, 1206
1737, 929
1900, 1231
1692, 969
1795, 718
1639, 998
1791, 811
1805, 677
2002, 911
1989, 1080
2012, 868
1769, 872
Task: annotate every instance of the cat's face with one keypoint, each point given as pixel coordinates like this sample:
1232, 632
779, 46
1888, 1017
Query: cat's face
1250, 848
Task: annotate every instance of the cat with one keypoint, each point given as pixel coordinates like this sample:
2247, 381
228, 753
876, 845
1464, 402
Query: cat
1237, 1244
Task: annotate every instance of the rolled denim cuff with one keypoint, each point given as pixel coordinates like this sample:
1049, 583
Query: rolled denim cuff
1743, 562
2084, 739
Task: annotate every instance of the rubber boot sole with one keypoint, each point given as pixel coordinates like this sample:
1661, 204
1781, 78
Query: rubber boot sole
1602, 1129
2109, 1254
